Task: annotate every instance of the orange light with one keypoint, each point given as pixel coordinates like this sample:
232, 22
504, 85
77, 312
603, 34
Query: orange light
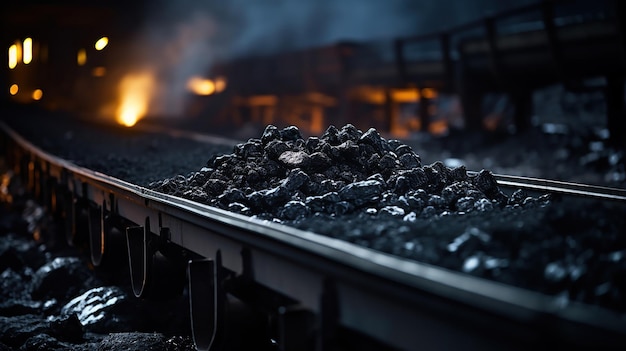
81, 57
439, 127
429, 93
28, 51
220, 84
13, 56
263, 100
405, 95
99, 71
37, 234
369, 94
101, 43
37, 94
135, 91
201, 86
14, 89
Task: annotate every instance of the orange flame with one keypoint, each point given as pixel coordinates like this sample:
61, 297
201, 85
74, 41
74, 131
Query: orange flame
135, 91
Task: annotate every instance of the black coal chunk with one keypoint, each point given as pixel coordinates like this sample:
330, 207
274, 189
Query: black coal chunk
250, 149
373, 138
291, 133
294, 209
486, 182
361, 192
319, 162
271, 133
215, 186
331, 135
295, 179
410, 160
61, 279
349, 132
275, 148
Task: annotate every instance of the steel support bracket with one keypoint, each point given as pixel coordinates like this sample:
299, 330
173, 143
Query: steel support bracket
152, 274
139, 249
207, 300
99, 228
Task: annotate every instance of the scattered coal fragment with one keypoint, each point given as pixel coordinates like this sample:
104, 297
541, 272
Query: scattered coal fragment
67, 328
15, 330
133, 342
101, 309
62, 278
46, 342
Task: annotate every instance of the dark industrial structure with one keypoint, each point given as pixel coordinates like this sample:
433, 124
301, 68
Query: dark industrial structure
514, 53
377, 83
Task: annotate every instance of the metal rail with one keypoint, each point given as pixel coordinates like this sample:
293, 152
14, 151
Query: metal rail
559, 187
317, 283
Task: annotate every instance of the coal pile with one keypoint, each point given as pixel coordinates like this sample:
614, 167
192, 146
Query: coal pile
360, 187
284, 177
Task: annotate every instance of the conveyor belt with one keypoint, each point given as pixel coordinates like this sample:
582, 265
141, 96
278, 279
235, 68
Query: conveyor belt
341, 286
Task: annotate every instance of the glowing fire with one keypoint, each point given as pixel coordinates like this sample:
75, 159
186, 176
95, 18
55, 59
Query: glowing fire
135, 91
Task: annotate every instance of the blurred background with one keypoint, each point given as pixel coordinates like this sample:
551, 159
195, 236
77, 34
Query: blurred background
418, 70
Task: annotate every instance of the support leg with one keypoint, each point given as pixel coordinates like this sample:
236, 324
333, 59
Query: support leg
472, 101
523, 101
97, 233
616, 111
206, 302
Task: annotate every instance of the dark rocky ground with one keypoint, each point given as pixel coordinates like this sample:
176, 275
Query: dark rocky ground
51, 298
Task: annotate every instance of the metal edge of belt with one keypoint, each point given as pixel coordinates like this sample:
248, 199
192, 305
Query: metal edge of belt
559, 187
505, 300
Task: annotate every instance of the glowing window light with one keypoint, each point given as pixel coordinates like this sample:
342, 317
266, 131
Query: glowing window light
81, 57
220, 84
28, 51
14, 89
12, 56
429, 93
99, 71
405, 95
201, 86
37, 94
101, 43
